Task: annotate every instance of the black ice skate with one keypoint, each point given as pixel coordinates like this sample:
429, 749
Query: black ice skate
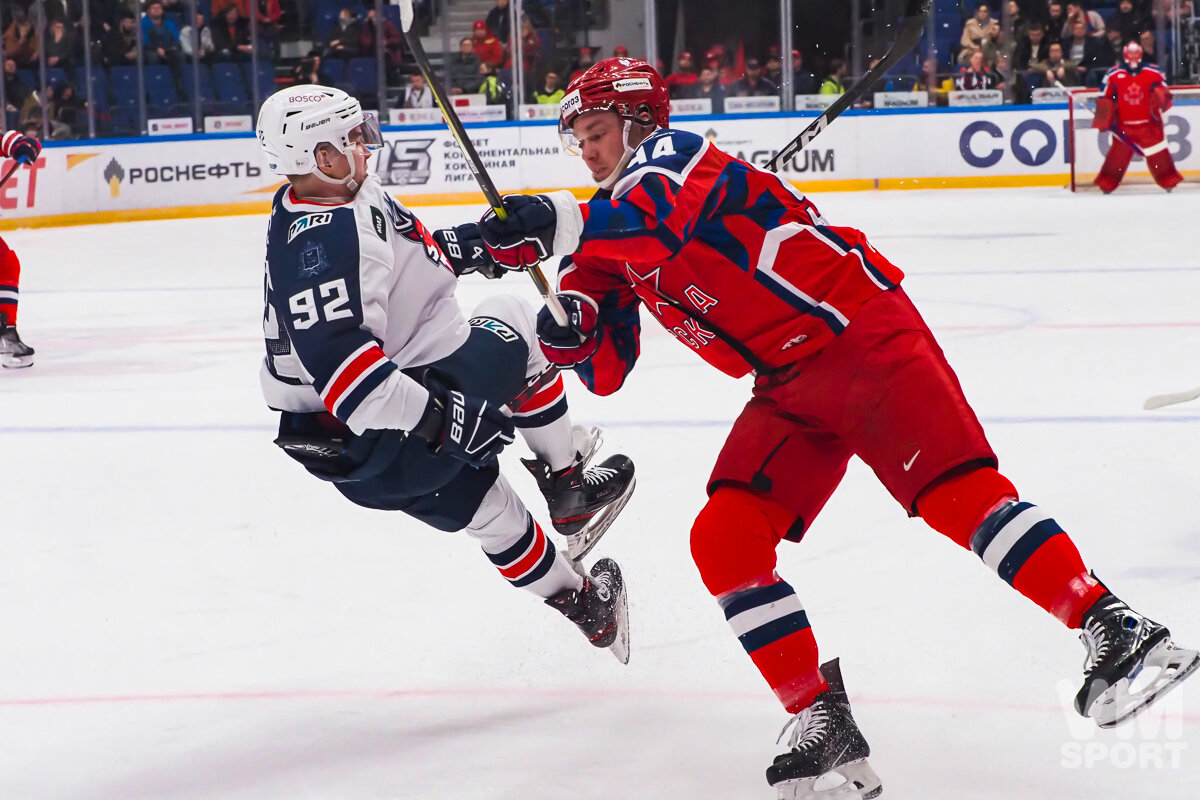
828, 759
584, 501
13, 352
600, 608
1131, 662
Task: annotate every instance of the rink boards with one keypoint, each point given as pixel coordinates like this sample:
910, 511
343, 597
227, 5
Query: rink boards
182, 176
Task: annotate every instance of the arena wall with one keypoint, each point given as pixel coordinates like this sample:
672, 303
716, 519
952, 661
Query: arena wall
212, 175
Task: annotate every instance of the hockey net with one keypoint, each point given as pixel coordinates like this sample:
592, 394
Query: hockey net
1089, 146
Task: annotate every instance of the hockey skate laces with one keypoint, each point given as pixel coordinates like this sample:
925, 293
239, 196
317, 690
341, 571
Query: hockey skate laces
809, 725
1096, 642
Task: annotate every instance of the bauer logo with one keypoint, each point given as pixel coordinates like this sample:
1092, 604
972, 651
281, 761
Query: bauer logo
570, 104
307, 222
632, 84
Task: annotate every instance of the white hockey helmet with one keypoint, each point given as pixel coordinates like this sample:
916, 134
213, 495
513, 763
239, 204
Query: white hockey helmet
294, 121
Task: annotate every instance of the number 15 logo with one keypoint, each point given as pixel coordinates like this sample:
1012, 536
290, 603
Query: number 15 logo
308, 313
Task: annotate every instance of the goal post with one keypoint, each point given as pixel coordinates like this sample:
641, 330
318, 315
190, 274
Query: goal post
1087, 146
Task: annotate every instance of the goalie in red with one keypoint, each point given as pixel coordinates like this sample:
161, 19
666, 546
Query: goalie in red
1134, 97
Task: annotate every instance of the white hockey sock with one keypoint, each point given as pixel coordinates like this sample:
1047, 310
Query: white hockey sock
552, 443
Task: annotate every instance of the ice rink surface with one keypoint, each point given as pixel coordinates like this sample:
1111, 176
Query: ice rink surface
185, 614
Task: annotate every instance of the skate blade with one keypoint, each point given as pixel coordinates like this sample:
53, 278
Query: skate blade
620, 646
858, 782
16, 362
1119, 704
581, 543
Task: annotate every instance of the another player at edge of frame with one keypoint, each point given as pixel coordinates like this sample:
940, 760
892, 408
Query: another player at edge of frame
14, 353
741, 267
389, 392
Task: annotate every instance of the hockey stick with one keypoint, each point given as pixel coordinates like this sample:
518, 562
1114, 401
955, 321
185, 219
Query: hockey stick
8, 174
468, 150
912, 25
1160, 400
1130, 143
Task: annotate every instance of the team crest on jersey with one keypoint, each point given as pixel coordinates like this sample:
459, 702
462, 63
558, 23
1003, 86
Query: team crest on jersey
307, 222
312, 259
409, 227
495, 326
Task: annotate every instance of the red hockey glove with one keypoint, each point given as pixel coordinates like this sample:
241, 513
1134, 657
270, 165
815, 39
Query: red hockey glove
537, 227
570, 346
20, 148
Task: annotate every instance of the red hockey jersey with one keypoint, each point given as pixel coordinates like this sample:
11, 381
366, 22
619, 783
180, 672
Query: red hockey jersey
1139, 94
733, 261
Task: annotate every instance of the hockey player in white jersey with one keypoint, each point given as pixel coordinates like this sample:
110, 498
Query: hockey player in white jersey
389, 392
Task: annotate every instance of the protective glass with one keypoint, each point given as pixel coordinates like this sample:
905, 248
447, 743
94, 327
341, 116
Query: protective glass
368, 129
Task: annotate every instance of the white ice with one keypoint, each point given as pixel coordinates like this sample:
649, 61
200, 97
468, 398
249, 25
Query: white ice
185, 614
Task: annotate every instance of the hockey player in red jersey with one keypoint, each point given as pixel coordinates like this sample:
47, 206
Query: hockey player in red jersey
742, 268
1132, 102
13, 352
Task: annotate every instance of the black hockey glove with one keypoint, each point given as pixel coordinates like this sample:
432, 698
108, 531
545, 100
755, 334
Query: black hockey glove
463, 426
464, 248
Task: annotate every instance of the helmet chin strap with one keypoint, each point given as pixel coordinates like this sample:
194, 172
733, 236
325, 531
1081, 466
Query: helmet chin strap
349, 182
611, 180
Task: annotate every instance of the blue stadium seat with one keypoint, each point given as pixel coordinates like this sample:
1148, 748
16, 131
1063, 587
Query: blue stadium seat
160, 89
124, 86
325, 20
56, 75
99, 91
28, 77
206, 84
333, 69
362, 75
266, 79
231, 89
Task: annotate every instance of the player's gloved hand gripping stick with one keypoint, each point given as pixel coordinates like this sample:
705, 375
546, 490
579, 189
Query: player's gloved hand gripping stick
468, 149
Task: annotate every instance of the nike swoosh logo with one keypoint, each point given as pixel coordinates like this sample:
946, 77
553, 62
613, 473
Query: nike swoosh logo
908, 464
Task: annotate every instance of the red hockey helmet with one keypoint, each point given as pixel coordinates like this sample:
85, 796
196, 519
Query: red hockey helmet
1133, 53
628, 86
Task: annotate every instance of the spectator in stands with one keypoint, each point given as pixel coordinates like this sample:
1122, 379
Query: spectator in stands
981, 32
833, 81
1055, 70
584, 60
270, 26
120, 43
393, 50
717, 57
487, 47
753, 84
160, 36
531, 47
494, 90
1056, 22
343, 39
188, 40
417, 95
977, 76
1082, 49
551, 92
308, 71
680, 82
20, 40
1077, 11
1113, 51
67, 112
803, 81
464, 68
1150, 49
708, 88
773, 68
1016, 26
1129, 21
498, 21
60, 46
15, 90
620, 51
231, 38
1031, 49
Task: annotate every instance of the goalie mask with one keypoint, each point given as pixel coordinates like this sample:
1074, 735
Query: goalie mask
628, 86
1133, 54
294, 122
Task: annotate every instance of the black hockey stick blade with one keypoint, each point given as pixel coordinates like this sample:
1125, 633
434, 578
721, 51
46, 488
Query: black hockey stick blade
474, 162
9, 172
912, 25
